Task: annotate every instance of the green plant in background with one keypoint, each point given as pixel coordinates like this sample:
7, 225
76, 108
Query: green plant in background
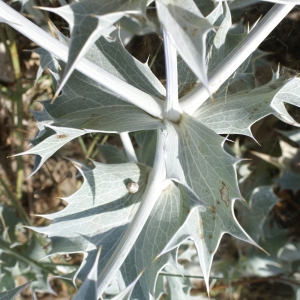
180, 183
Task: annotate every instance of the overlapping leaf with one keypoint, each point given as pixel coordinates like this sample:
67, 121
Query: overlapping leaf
186, 78
110, 55
19, 259
88, 290
288, 164
187, 29
221, 48
169, 214
236, 113
85, 104
97, 214
257, 220
86, 28
177, 288
12, 294
127, 292
47, 60
145, 151
254, 218
194, 154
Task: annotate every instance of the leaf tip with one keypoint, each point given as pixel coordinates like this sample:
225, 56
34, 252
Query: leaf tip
55, 96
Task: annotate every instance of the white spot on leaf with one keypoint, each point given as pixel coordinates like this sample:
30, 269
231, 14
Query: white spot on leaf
132, 187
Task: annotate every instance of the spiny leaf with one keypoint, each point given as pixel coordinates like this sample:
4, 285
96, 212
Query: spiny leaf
88, 290
169, 214
236, 113
269, 235
97, 214
288, 164
86, 29
47, 60
19, 259
217, 54
187, 80
176, 289
194, 154
49, 140
110, 55
253, 218
108, 208
187, 29
222, 31
126, 293
85, 104
12, 294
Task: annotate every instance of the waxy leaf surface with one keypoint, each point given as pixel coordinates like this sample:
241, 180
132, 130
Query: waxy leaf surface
12, 294
48, 141
85, 104
86, 28
88, 290
236, 113
111, 55
187, 29
194, 154
168, 215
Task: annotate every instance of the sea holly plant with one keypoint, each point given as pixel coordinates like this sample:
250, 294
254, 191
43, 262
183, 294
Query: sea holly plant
180, 183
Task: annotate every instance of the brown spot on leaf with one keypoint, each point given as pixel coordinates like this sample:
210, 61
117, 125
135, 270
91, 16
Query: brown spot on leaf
224, 191
218, 202
210, 236
62, 136
213, 209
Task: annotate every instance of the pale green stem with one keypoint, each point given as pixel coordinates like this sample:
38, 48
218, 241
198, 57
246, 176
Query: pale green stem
155, 56
82, 144
128, 147
92, 146
104, 139
146, 102
18, 100
194, 99
156, 183
172, 109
